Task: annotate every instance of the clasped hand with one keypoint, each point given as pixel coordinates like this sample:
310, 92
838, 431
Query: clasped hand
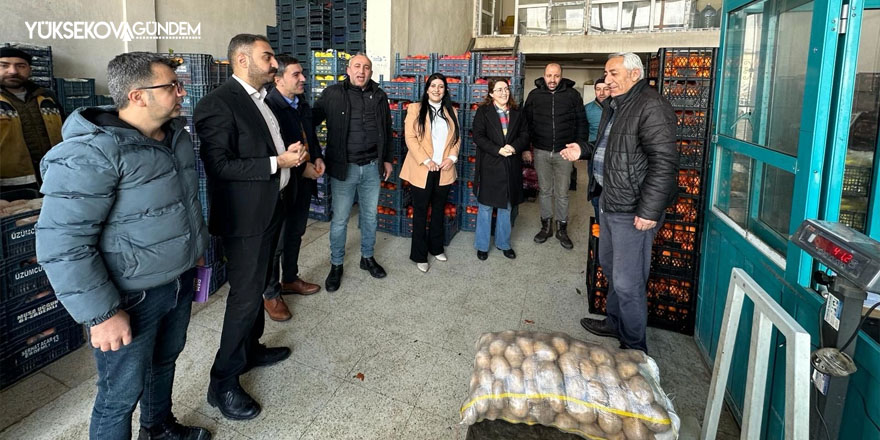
507, 151
295, 155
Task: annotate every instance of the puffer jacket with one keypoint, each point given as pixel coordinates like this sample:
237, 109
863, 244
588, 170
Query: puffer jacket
556, 118
121, 212
641, 160
28, 129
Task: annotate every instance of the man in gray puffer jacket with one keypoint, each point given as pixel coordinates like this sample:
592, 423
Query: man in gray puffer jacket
119, 235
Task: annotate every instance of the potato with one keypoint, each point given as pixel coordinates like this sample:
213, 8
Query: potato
530, 388
542, 413
514, 355
617, 398
515, 382
550, 381
600, 356
591, 429
627, 369
507, 414
608, 376
482, 359
4, 203
486, 379
596, 393
657, 412
616, 436
635, 430
542, 337
588, 369
576, 388
469, 417
544, 352
497, 346
481, 405
560, 344
621, 356
565, 421
499, 366
526, 345
518, 407
580, 349
529, 368
475, 382
584, 415
484, 340
610, 423
497, 390
568, 363
640, 390
508, 336
492, 414
637, 356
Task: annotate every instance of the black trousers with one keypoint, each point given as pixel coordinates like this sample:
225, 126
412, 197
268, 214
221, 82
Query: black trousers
248, 269
293, 227
428, 237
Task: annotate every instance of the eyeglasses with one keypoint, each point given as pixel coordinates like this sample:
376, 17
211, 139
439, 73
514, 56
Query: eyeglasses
177, 85
504, 90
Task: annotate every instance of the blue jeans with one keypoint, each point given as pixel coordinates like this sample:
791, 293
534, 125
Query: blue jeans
142, 371
363, 181
484, 228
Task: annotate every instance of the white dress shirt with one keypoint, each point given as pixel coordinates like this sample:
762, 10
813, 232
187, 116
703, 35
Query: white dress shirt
274, 128
439, 132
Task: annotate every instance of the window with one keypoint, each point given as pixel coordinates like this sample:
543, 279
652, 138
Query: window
638, 15
734, 192
543, 17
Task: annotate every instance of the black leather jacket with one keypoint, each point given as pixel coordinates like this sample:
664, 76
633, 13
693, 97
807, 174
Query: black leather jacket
640, 174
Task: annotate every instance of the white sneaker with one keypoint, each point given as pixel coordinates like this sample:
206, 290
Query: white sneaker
441, 257
423, 267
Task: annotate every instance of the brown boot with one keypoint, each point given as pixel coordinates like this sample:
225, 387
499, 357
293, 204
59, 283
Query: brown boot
299, 287
277, 309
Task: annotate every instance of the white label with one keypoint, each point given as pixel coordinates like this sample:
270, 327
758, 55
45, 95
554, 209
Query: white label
832, 312
820, 381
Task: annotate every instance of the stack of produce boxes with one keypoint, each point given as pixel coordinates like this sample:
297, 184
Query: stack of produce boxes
327, 68
306, 25
199, 75
685, 78
74, 93
35, 329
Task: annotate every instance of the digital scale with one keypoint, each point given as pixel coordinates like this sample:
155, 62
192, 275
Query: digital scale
855, 260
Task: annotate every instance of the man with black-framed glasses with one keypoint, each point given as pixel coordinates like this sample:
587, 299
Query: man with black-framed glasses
119, 235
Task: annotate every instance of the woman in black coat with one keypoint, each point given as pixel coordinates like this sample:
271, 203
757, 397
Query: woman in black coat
501, 134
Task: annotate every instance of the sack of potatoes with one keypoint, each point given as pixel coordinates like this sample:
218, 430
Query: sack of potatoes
578, 387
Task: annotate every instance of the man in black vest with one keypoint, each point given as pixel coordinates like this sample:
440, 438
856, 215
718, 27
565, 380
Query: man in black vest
248, 167
358, 157
295, 117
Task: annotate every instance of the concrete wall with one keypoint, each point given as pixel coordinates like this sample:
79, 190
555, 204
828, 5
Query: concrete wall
578, 73
220, 20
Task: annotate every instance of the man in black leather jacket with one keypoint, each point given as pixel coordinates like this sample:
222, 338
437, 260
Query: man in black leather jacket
636, 162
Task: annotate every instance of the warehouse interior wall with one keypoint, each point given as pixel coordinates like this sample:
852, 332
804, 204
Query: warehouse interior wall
88, 58
580, 73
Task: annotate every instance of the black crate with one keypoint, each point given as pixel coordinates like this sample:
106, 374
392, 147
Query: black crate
855, 220
74, 87
19, 235
685, 210
690, 182
193, 68
691, 153
676, 235
856, 181
39, 349
28, 314
683, 63
396, 199
71, 104
692, 124
675, 262
687, 93
21, 277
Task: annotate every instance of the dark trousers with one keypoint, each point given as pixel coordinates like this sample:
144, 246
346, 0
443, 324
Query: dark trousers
285, 267
428, 237
248, 269
143, 371
625, 256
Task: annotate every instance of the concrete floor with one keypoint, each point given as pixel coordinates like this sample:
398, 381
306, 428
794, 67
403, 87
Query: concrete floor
410, 334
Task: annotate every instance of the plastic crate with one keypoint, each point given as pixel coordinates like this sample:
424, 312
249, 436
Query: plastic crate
412, 66
476, 92
398, 142
672, 316
402, 89
398, 115
856, 181
690, 182
674, 262
388, 223
692, 124
468, 219
451, 226
684, 210
455, 67
39, 349
395, 198
687, 93
395, 172
19, 235
468, 147
501, 66
70, 104
683, 63
30, 313
678, 236
855, 220
691, 154
193, 68
466, 167
467, 197
454, 196
21, 277
74, 87
457, 90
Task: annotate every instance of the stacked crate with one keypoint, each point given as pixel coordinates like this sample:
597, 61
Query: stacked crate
199, 75
41, 63
35, 329
305, 25
74, 93
685, 78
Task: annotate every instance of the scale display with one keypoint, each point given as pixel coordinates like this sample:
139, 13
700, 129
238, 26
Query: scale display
847, 252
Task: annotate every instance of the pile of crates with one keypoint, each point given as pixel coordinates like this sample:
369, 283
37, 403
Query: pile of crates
41, 63
35, 329
200, 74
685, 78
306, 25
74, 93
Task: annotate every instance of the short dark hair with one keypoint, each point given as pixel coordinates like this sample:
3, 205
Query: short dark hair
240, 40
600, 80
129, 71
283, 62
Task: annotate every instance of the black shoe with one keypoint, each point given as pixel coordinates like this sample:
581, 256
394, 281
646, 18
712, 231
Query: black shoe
482, 255
599, 328
509, 253
546, 230
562, 235
267, 356
171, 430
370, 264
235, 404
334, 279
